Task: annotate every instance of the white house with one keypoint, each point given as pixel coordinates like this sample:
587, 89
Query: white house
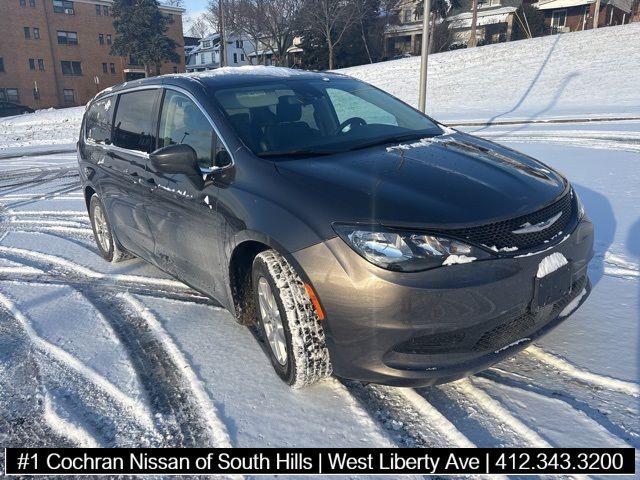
206, 55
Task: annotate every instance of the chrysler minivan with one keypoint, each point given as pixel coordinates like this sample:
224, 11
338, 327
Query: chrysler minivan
362, 237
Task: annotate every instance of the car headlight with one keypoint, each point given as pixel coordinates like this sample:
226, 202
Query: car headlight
407, 251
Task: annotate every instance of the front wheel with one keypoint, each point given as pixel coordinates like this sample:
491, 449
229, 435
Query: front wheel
288, 322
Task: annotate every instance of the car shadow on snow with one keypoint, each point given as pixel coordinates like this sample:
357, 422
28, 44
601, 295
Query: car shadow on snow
601, 213
633, 247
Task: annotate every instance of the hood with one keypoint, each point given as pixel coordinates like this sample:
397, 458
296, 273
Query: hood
448, 181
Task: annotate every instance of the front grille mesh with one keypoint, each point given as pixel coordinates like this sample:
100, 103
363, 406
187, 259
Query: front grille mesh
500, 234
494, 339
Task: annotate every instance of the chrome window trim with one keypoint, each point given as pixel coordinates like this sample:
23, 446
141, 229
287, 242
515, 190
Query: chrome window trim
191, 97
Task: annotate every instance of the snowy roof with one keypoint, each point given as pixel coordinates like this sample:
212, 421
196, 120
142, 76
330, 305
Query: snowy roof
245, 70
624, 5
485, 17
553, 4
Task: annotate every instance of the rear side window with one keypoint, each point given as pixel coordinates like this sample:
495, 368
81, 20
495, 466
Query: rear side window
135, 120
182, 121
99, 121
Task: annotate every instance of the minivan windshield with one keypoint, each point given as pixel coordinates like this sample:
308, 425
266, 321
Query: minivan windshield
305, 118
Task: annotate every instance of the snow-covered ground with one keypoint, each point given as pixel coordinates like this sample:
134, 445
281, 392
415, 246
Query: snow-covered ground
116, 355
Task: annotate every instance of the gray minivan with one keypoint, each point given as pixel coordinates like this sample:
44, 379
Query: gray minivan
361, 236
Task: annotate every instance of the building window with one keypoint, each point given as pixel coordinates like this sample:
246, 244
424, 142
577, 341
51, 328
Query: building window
235, 58
71, 68
10, 95
27, 32
40, 64
104, 68
23, 3
108, 39
112, 67
242, 57
101, 38
63, 6
1, 65
67, 38
69, 97
105, 10
206, 44
98, 10
36, 33
202, 58
559, 18
32, 64
407, 16
175, 69
32, 3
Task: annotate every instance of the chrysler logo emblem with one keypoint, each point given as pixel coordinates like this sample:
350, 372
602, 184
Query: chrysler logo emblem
538, 227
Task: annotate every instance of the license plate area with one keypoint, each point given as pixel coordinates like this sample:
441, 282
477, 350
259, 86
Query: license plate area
552, 287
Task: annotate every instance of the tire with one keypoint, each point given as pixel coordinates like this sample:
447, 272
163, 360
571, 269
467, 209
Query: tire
109, 248
305, 359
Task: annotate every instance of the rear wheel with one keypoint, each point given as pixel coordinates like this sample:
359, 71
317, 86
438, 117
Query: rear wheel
288, 322
107, 244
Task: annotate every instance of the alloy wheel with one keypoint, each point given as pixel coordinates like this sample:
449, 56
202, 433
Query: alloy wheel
271, 321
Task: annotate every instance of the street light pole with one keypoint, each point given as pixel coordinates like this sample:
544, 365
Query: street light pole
422, 101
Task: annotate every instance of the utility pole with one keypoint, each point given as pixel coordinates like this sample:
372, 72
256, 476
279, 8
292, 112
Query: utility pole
422, 101
596, 14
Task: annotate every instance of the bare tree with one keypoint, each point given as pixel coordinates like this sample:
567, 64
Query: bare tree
279, 26
330, 19
200, 27
246, 19
173, 3
473, 39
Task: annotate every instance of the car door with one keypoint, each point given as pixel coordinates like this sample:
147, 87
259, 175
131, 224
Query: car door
182, 215
124, 189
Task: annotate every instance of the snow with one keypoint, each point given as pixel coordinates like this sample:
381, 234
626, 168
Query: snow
457, 259
122, 355
544, 78
550, 264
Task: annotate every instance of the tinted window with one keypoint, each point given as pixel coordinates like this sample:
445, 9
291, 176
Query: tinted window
99, 118
183, 122
135, 121
312, 117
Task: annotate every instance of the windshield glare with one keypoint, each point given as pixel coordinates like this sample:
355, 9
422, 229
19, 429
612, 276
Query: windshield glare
303, 118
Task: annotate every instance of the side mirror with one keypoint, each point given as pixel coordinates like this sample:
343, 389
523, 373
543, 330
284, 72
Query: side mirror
178, 159
223, 159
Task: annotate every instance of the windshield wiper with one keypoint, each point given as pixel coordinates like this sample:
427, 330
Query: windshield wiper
296, 154
393, 139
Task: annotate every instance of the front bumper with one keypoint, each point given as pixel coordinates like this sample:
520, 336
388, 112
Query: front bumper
419, 329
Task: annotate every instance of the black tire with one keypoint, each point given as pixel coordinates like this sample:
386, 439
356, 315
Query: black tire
110, 250
307, 357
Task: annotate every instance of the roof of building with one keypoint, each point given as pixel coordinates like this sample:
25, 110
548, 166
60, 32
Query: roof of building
486, 16
624, 5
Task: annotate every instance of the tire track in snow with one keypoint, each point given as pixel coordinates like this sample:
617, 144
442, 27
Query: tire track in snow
436, 419
608, 421
498, 414
178, 415
409, 424
217, 429
64, 428
82, 271
142, 413
593, 379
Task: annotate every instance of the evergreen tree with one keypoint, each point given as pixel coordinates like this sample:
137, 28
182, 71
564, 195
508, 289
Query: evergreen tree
141, 31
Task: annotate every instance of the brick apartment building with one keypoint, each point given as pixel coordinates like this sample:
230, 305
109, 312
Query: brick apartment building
55, 53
